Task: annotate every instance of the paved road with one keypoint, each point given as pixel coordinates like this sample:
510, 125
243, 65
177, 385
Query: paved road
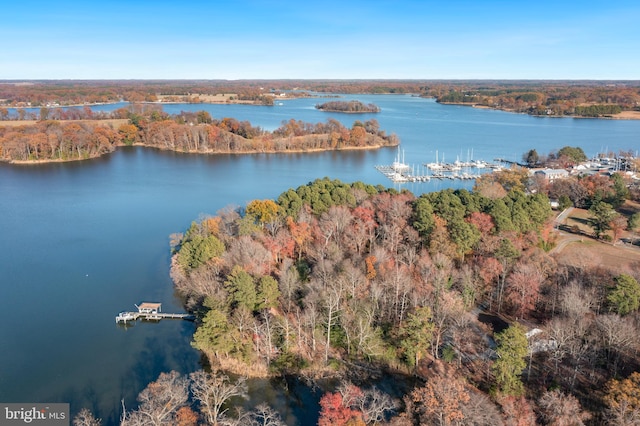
563, 216
567, 239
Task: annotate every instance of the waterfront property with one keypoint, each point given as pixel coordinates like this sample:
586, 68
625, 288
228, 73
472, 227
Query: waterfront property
121, 208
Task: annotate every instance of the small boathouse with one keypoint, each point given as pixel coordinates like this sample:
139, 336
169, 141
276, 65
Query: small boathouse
149, 308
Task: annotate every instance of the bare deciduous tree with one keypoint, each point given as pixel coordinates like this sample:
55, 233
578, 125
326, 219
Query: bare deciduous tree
213, 390
250, 254
86, 418
159, 401
288, 284
616, 335
562, 410
480, 410
375, 405
263, 415
576, 300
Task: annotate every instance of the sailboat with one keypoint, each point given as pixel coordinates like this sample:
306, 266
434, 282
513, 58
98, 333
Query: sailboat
456, 165
436, 165
400, 166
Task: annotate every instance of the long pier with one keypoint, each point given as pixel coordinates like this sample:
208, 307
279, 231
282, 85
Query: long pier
124, 317
504, 160
150, 312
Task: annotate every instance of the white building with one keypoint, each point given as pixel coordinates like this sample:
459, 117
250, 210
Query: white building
552, 174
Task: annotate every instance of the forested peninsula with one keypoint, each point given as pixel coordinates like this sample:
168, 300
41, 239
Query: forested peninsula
460, 289
197, 132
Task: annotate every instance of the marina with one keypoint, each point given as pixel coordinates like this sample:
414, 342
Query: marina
149, 311
399, 171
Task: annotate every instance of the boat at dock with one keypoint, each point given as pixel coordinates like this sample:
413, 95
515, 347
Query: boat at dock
406, 174
399, 166
399, 171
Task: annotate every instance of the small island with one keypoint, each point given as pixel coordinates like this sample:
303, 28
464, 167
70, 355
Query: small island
351, 107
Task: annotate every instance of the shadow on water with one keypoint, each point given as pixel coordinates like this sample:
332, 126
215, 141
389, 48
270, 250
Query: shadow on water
295, 401
159, 355
298, 401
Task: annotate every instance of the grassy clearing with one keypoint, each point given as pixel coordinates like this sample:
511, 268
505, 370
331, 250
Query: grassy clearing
584, 251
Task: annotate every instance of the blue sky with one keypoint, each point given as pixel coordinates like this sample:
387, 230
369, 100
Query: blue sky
282, 39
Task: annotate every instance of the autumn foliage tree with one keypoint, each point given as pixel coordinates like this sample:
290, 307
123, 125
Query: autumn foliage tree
262, 211
53, 140
523, 288
334, 412
440, 402
623, 400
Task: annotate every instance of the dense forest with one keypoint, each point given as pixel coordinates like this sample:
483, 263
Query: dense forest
545, 98
52, 140
459, 289
350, 107
536, 97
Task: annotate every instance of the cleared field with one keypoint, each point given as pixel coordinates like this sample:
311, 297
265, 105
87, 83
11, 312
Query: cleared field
627, 115
220, 98
583, 251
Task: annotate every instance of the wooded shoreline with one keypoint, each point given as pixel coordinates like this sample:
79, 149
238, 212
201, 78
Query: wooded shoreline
188, 132
292, 151
624, 115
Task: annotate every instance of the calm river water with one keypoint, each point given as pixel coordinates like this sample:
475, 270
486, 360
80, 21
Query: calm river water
86, 240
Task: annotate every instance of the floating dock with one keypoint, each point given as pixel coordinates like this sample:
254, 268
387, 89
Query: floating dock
150, 311
401, 174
